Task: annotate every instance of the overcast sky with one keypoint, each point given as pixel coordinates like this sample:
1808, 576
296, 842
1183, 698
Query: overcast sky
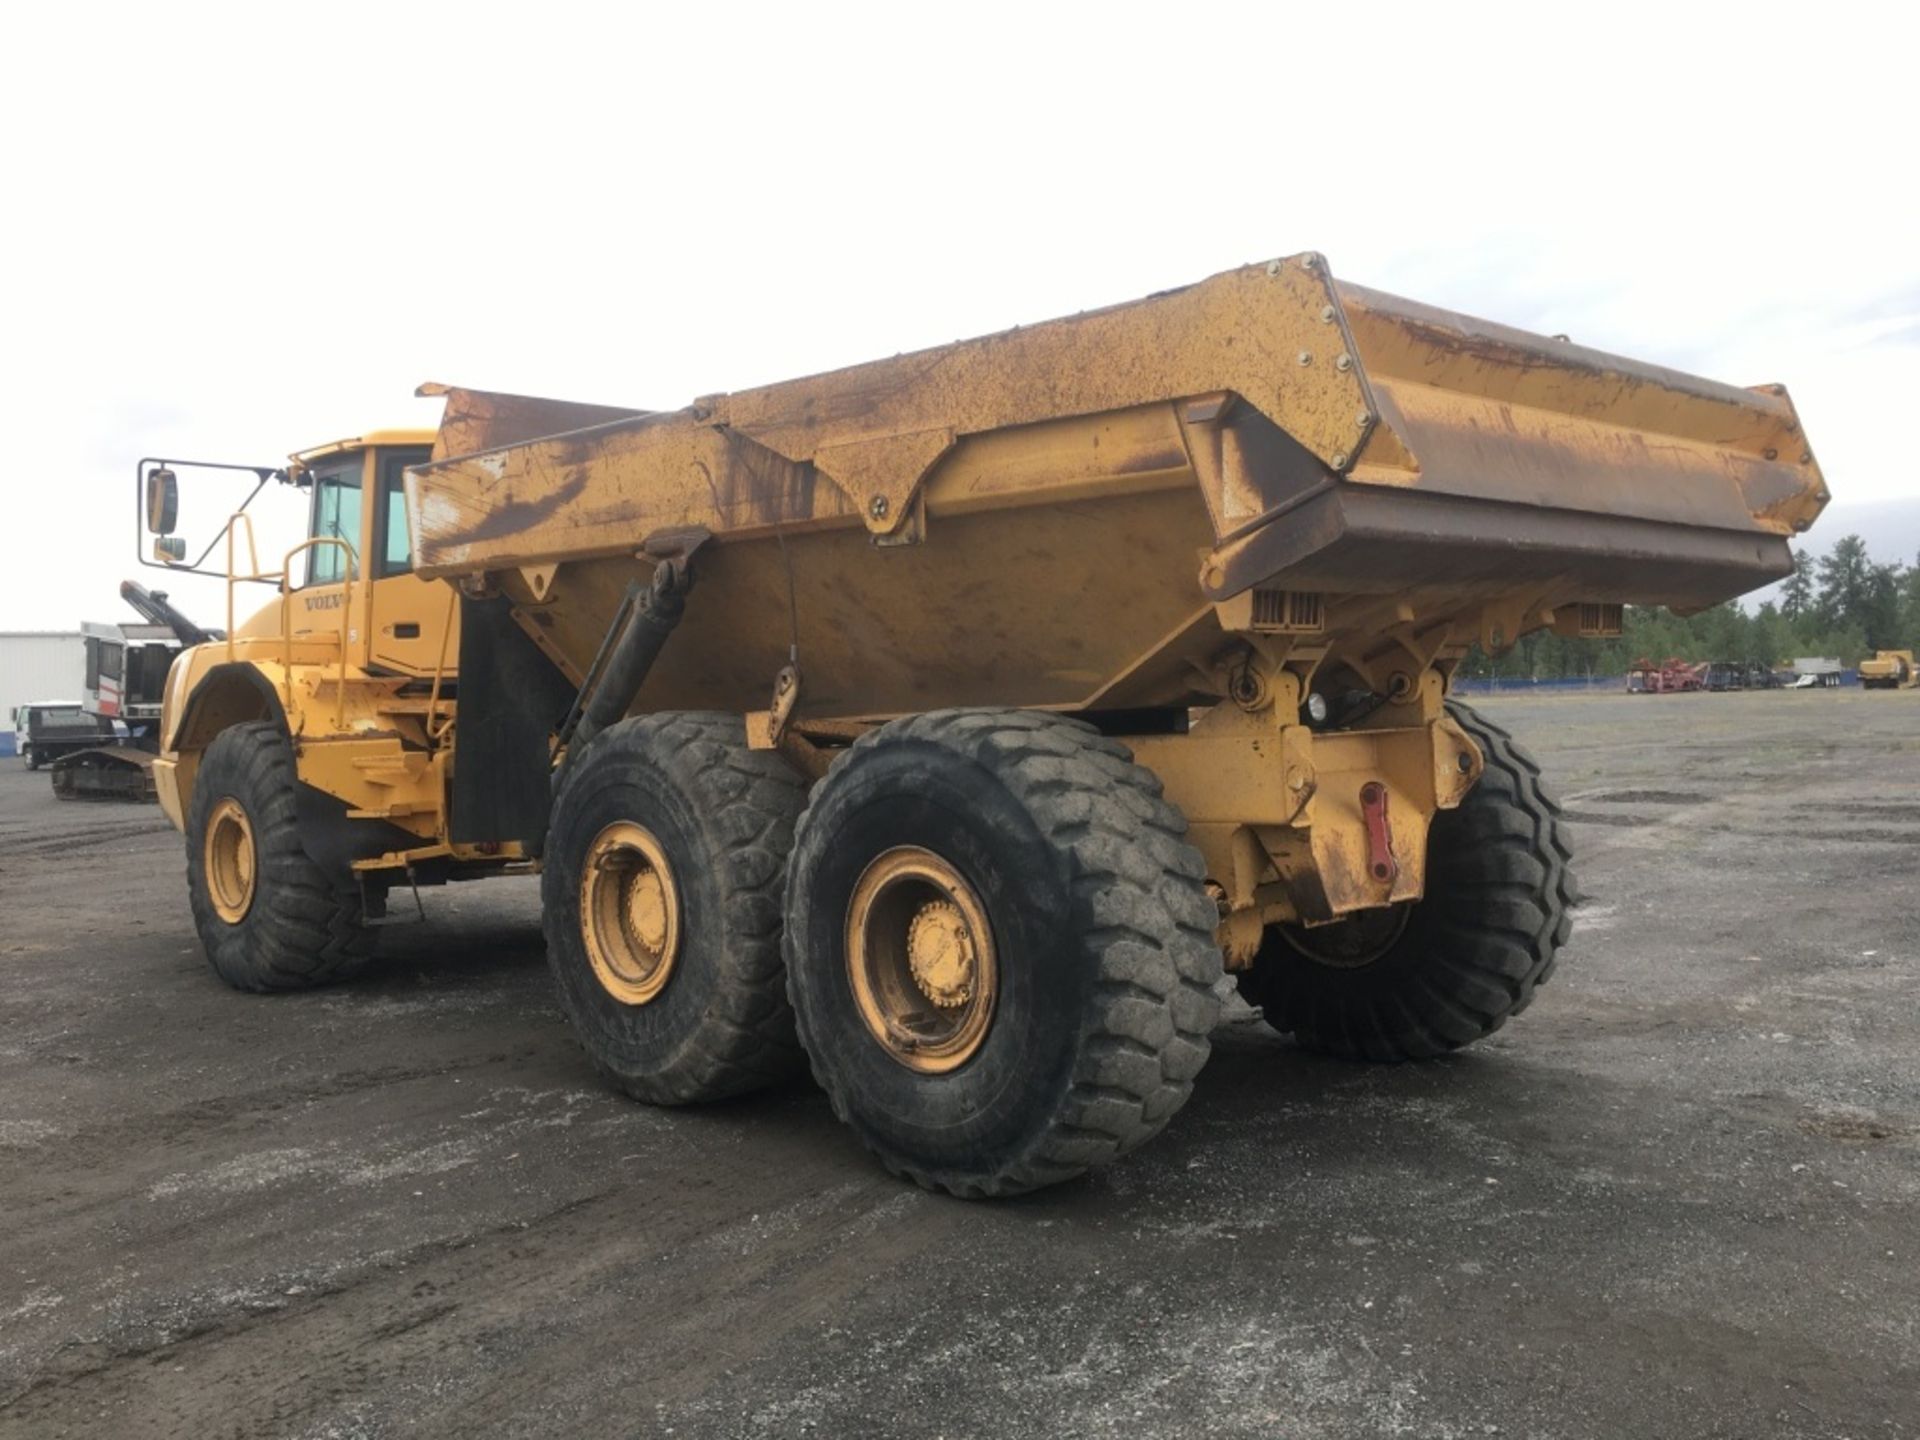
237, 232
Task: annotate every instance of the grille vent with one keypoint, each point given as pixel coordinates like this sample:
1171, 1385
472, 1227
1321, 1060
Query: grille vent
1598, 620
1289, 612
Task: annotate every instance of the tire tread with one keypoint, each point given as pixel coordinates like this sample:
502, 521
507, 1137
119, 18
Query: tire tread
1144, 922
317, 934
751, 798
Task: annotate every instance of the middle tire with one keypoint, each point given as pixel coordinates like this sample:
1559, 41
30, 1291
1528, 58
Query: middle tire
661, 905
1000, 949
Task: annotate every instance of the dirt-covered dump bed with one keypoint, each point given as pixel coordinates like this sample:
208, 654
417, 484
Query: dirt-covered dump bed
1070, 514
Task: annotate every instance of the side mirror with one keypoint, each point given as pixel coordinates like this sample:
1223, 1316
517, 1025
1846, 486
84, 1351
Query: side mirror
170, 550
163, 505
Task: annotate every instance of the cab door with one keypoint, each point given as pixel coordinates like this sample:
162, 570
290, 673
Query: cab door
338, 485
409, 618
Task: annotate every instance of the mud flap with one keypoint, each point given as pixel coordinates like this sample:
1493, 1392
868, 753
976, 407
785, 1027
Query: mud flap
511, 698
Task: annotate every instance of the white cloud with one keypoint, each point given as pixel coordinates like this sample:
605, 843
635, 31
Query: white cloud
237, 231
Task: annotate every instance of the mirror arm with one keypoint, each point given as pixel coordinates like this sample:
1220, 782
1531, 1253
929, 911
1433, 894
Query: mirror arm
261, 475
258, 486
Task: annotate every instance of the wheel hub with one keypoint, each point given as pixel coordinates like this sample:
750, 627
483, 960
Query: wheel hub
941, 954
921, 960
1353, 942
647, 911
230, 861
629, 913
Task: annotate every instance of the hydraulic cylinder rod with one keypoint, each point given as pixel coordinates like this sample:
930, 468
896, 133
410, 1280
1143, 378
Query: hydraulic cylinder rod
649, 622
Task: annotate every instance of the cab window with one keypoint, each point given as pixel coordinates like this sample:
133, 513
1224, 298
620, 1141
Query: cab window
103, 661
395, 538
336, 515
396, 555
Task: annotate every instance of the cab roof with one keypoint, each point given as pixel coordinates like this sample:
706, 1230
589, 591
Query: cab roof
303, 459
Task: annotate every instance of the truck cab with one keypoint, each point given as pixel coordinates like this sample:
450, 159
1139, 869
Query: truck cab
45, 730
351, 659
126, 671
358, 554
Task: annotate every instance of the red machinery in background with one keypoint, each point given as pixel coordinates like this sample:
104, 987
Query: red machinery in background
1646, 678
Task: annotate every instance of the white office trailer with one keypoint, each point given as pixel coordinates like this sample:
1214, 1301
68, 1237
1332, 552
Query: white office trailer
37, 665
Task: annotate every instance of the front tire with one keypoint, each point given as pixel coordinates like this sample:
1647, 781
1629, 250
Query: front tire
1453, 967
662, 896
269, 918
1000, 949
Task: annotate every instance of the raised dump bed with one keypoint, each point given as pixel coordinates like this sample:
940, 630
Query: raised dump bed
960, 716
1048, 517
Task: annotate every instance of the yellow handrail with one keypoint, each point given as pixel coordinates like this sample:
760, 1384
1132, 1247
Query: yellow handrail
349, 565
253, 568
440, 668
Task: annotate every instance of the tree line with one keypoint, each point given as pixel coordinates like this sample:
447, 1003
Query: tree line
1842, 605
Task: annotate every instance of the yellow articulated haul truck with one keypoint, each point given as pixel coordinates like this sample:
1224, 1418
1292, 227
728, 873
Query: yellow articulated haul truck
952, 723
1890, 670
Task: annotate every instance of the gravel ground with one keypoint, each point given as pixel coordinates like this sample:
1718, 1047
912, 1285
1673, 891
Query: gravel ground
1677, 1198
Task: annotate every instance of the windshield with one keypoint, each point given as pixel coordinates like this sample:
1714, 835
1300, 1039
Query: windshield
336, 514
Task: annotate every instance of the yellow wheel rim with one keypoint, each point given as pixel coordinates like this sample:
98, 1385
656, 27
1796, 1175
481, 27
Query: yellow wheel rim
921, 960
229, 860
630, 913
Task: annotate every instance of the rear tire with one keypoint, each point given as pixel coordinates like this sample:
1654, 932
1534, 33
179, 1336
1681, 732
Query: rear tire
1458, 963
703, 1014
283, 924
1096, 968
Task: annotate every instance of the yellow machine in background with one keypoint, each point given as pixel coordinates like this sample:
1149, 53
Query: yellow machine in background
953, 722
1890, 670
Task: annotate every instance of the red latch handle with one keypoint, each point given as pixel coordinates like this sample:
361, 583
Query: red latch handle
1373, 805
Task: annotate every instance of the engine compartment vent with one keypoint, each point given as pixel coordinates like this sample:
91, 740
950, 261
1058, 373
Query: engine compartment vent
1599, 620
1289, 612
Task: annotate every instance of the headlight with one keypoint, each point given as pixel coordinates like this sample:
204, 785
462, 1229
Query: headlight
1317, 708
